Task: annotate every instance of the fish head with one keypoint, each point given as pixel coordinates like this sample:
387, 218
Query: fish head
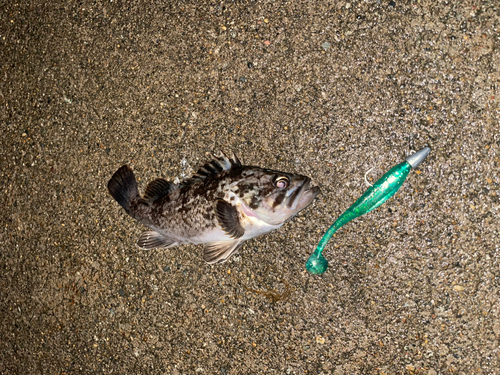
273, 197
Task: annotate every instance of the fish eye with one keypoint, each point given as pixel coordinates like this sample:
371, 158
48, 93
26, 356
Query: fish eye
282, 182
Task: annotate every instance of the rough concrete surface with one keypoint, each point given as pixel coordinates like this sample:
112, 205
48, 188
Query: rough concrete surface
325, 89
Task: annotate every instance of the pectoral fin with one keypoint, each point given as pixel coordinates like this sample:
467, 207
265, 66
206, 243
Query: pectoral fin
219, 252
228, 218
151, 240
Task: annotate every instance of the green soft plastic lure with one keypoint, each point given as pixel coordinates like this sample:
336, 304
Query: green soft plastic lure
382, 190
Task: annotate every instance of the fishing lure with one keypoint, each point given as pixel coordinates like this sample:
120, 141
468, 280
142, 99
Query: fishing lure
382, 190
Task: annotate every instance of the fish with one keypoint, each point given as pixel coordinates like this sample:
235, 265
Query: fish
221, 206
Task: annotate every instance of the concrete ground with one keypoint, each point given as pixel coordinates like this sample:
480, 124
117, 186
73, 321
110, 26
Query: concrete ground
326, 89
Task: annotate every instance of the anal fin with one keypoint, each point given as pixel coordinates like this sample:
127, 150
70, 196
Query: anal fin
219, 252
151, 240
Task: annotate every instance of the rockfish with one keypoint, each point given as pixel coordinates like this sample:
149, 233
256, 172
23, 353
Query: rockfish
222, 205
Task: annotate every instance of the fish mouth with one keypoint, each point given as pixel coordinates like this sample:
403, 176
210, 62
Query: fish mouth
302, 196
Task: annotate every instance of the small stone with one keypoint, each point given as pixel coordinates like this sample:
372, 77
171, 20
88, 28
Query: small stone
250, 65
458, 288
392, 3
243, 79
326, 46
320, 340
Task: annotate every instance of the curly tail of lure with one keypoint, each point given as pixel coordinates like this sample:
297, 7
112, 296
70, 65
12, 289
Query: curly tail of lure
382, 190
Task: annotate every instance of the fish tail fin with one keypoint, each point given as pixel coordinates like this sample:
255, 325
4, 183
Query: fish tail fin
123, 187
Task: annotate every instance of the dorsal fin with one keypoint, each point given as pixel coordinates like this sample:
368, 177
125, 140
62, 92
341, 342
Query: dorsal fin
157, 189
218, 164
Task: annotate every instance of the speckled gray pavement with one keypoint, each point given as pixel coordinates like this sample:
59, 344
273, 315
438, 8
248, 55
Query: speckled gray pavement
329, 90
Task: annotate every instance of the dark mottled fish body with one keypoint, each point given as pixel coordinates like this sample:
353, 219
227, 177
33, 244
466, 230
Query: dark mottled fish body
221, 206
